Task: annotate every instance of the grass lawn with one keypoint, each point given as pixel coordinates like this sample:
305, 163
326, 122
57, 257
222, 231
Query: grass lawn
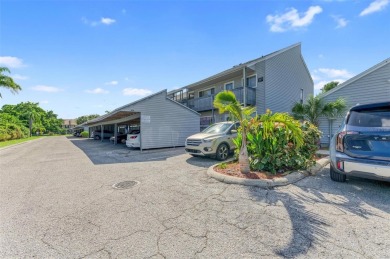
16, 141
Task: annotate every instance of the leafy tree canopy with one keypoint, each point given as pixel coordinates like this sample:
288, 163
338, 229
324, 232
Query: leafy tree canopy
7, 81
85, 118
329, 86
29, 112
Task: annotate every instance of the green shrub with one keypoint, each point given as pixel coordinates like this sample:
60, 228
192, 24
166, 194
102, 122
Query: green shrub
222, 166
279, 143
85, 134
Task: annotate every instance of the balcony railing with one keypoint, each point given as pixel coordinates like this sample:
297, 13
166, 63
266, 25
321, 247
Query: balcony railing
206, 103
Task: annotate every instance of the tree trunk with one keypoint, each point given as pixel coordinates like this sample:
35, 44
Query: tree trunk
243, 158
30, 124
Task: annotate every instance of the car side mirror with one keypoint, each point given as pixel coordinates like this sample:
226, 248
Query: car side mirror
233, 131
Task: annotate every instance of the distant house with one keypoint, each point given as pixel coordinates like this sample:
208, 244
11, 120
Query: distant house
275, 81
69, 124
372, 85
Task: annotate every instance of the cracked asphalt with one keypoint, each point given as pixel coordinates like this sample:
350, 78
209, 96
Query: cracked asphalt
57, 201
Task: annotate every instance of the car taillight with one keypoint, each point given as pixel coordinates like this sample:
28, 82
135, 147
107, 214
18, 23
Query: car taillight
340, 165
340, 139
133, 137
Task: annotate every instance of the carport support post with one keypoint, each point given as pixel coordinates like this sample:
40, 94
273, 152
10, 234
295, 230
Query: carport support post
101, 133
115, 133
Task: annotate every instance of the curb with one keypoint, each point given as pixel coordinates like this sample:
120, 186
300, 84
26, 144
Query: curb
269, 183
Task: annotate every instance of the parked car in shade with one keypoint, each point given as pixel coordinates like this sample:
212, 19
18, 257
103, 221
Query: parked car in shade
96, 134
361, 147
215, 141
133, 139
120, 138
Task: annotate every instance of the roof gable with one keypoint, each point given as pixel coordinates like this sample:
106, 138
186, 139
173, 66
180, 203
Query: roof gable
239, 67
357, 77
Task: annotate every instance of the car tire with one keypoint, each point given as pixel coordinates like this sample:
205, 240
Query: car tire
222, 152
96, 137
337, 177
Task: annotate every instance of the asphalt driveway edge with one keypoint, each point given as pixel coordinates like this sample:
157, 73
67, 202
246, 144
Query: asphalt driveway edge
269, 183
21, 143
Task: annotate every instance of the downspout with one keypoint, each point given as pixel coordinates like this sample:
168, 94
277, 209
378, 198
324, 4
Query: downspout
244, 85
115, 133
101, 133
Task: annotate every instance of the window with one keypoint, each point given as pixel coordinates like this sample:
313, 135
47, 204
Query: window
251, 81
191, 95
301, 95
229, 86
205, 93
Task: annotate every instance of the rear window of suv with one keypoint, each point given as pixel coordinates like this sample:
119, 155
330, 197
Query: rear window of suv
370, 118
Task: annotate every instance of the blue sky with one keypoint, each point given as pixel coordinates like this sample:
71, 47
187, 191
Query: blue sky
84, 57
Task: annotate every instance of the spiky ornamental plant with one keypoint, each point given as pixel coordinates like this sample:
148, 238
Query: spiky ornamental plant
315, 107
226, 101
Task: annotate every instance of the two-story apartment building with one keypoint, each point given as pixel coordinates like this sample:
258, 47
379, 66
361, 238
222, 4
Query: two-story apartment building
275, 81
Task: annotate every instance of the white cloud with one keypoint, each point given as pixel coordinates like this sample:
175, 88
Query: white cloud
19, 77
112, 83
44, 102
341, 22
334, 73
107, 21
320, 84
136, 91
124, 11
45, 88
11, 62
322, 76
321, 56
292, 19
376, 6
97, 91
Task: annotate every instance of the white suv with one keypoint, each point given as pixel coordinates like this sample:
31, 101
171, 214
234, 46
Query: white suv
215, 141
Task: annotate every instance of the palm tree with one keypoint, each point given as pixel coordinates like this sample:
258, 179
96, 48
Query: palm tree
8, 82
226, 101
32, 115
315, 107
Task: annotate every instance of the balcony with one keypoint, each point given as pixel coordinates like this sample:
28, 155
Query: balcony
206, 103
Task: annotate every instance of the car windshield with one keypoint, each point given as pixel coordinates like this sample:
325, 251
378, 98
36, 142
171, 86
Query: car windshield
217, 128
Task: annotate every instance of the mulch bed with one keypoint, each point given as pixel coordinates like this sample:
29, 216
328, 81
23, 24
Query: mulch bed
233, 169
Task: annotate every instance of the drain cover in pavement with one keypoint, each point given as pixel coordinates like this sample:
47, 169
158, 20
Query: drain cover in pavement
125, 184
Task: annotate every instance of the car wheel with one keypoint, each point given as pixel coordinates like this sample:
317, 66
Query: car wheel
96, 137
337, 177
222, 152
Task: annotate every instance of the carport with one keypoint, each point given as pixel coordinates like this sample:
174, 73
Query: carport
162, 121
113, 120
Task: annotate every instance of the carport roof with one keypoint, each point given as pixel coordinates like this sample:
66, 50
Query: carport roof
116, 115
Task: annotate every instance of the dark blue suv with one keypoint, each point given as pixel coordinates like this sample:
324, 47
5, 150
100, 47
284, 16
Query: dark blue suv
361, 147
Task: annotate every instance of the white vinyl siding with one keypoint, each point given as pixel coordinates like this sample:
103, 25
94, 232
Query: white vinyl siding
285, 75
373, 87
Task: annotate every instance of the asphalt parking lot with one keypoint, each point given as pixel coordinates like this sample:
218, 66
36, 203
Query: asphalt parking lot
57, 201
